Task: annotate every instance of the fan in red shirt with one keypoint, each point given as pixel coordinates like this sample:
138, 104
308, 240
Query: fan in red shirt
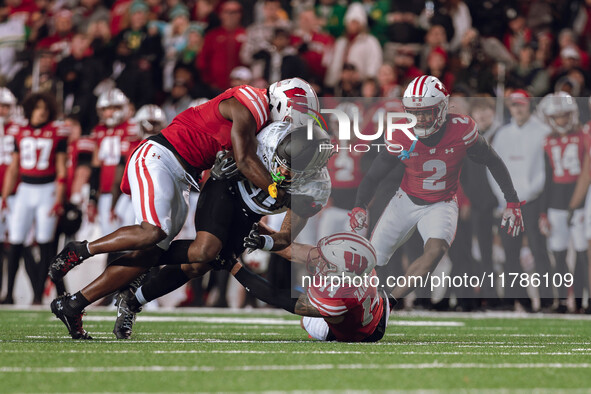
160, 174
39, 158
333, 308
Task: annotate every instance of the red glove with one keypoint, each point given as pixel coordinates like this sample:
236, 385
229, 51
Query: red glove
57, 210
544, 224
512, 218
4, 206
113, 216
92, 211
358, 218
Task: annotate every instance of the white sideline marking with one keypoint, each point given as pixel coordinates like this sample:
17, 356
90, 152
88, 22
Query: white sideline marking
297, 367
319, 352
202, 319
418, 323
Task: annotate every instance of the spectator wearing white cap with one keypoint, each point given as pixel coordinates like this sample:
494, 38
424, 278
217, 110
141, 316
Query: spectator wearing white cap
355, 47
240, 76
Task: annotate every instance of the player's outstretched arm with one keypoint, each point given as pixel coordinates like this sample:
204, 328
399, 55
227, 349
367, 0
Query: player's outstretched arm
244, 143
276, 240
265, 291
481, 152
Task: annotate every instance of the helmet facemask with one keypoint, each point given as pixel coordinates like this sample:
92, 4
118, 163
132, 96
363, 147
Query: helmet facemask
429, 118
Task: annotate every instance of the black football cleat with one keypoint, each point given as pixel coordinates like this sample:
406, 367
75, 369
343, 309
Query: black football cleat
127, 309
70, 318
67, 259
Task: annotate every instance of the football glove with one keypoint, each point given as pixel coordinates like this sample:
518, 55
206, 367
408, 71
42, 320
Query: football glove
225, 166
569, 217
512, 219
57, 209
254, 240
544, 225
358, 218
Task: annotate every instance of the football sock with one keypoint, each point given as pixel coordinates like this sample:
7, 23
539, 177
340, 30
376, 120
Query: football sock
562, 269
168, 279
82, 249
12, 260
77, 302
139, 299
580, 277
46, 250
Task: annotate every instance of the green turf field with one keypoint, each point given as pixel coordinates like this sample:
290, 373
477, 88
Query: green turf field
204, 352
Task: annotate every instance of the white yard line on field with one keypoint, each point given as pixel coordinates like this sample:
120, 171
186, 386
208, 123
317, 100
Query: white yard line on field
295, 367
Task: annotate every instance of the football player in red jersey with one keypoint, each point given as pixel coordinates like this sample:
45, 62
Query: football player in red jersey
345, 312
113, 136
160, 173
564, 152
427, 196
39, 158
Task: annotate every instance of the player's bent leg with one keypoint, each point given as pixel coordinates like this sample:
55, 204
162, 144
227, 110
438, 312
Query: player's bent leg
434, 250
395, 226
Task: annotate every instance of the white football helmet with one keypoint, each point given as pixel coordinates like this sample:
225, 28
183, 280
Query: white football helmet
428, 99
113, 98
347, 254
151, 119
7, 98
293, 100
559, 104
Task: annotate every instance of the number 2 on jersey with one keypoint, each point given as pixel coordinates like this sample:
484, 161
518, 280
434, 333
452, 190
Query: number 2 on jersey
433, 182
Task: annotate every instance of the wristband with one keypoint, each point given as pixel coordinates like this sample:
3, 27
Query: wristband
268, 242
273, 189
61, 180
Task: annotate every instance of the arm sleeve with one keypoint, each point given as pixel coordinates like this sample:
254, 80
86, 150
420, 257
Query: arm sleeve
95, 178
265, 291
381, 166
481, 152
545, 197
62, 146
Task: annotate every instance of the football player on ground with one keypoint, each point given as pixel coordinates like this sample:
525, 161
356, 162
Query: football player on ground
160, 173
39, 158
229, 206
344, 313
564, 152
427, 196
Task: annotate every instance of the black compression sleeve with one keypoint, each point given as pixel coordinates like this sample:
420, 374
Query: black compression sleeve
177, 253
265, 291
381, 166
84, 158
95, 178
545, 197
62, 146
481, 152
168, 279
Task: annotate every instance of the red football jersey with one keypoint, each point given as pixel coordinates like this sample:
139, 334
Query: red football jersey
84, 144
198, 133
37, 147
7, 136
361, 309
566, 153
113, 144
432, 173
